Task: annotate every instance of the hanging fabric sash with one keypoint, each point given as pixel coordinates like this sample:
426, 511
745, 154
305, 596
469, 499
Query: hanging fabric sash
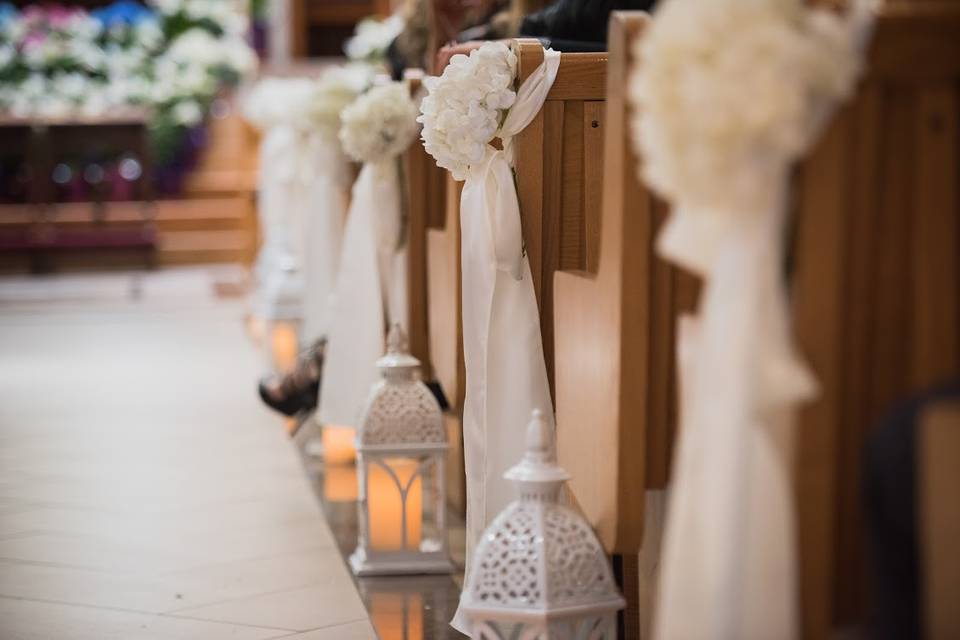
370, 291
730, 514
729, 567
503, 349
327, 197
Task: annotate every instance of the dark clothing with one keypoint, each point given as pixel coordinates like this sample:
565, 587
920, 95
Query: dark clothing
890, 505
578, 25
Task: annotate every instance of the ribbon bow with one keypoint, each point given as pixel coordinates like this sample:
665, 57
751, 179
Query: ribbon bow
495, 174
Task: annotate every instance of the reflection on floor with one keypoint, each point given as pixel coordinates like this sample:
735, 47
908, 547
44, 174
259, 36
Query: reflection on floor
400, 607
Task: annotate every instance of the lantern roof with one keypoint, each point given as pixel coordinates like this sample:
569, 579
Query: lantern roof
401, 411
539, 558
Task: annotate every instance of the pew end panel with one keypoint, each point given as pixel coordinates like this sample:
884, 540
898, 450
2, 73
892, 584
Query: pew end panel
443, 293
606, 459
446, 327
417, 164
433, 291
559, 168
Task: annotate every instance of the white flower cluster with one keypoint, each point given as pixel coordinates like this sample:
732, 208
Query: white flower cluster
229, 15
336, 88
279, 101
372, 37
305, 104
380, 124
55, 62
729, 92
464, 107
199, 48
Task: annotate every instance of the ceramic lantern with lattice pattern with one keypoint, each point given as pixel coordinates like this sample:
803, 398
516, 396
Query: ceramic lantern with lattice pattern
539, 572
401, 453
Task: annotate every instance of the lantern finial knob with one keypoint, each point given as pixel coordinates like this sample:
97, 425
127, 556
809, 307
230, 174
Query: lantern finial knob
397, 339
398, 363
538, 474
538, 435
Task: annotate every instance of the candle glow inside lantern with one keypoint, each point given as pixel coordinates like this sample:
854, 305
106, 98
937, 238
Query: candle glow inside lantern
401, 454
538, 571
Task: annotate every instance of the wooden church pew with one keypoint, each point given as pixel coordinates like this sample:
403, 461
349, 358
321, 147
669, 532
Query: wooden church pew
875, 282
422, 206
614, 312
434, 289
575, 179
613, 334
558, 160
446, 328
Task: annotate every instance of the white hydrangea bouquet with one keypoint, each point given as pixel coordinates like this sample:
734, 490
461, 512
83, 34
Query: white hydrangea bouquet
727, 95
380, 124
727, 88
464, 107
336, 88
279, 101
372, 38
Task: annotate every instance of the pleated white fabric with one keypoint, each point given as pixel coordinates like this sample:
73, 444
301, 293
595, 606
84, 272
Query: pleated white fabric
370, 292
280, 206
729, 551
503, 349
327, 200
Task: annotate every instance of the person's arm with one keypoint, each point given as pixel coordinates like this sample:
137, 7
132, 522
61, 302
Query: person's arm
450, 50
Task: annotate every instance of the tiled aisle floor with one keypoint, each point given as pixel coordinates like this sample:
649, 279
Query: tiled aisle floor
144, 493
401, 607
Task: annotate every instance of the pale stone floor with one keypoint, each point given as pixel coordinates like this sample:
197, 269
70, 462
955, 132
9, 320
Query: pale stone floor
144, 492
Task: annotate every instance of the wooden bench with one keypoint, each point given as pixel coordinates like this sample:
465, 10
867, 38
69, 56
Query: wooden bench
558, 160
88, 151
608, 303
575, 179
875, 281
433, 271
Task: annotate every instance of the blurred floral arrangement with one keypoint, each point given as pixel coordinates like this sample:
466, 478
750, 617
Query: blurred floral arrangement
380, 124
171, 57
307, 105
372, 37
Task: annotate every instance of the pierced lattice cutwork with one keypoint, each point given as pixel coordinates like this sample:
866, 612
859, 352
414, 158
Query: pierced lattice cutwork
589, 628
506, 570
403, 412
576, 564
539, 571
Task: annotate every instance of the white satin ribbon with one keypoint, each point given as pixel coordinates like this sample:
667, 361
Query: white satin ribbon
370, 292
280, 210
302, 198
327, 198
503, 349
729, 551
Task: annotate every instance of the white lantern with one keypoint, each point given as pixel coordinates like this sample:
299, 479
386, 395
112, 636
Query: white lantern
401, 454
539, 572
281, 307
